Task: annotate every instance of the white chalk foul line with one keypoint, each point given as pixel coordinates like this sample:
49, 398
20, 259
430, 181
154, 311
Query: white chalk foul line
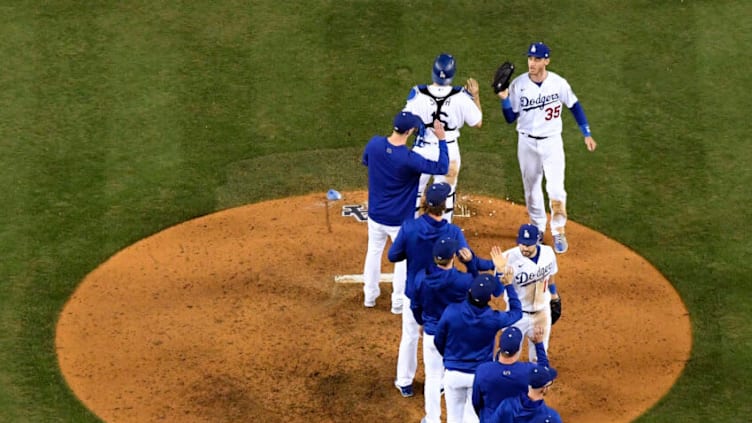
385, 277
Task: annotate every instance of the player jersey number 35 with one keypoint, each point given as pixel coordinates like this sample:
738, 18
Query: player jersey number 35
540, 106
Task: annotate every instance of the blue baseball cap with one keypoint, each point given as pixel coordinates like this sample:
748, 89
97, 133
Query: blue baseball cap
538, 50
482, 288
405, 121
528, 235
541, 376
437, 194
510, 341
445, 248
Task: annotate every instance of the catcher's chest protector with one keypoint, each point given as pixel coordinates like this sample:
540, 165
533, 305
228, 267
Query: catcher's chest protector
439, 102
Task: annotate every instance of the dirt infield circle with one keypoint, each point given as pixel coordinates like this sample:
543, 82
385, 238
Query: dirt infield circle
235, 316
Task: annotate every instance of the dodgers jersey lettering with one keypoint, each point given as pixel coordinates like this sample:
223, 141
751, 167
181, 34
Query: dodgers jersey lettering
457, 110
531, 278
540, 106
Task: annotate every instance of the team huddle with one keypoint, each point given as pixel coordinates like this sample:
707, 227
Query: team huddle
452, 307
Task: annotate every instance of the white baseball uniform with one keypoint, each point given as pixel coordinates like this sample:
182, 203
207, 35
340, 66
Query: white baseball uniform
531, 280
457, 109
540, 149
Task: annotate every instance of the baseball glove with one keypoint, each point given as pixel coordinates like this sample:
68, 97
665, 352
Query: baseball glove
502, 77
555, 310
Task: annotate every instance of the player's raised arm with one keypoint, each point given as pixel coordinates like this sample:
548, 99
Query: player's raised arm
506, 106
471, 86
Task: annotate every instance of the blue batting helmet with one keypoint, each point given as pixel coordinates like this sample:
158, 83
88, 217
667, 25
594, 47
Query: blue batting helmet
443, 69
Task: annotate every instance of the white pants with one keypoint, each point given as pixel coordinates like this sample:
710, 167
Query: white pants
458, 392
539, 158
526, 326
407, 361
431, 152
434, 366
377, 235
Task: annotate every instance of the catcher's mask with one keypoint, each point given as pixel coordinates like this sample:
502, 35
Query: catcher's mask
443, 69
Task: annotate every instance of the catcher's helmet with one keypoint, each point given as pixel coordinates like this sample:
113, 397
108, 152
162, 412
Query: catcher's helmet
443, 69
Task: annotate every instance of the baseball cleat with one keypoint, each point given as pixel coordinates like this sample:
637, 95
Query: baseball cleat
369, 303
396, 309
560, 243
406, 391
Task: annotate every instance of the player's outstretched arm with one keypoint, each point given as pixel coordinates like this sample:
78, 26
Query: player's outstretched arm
506, 106
514, 313
540, 349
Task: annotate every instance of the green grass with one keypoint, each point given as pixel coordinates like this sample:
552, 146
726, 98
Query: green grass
118, 120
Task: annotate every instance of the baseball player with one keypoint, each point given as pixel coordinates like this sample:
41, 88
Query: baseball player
465, 336
415, 243
534, 269
529, 407
453, 106
393, 174
435, 288
535, 100
506, 376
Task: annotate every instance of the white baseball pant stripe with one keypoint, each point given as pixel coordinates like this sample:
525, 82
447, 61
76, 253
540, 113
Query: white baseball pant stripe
407, 360
434, 369
377, 235
458, 393
538, 158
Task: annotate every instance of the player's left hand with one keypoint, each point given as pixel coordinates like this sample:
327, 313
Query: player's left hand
472, 87
590, 143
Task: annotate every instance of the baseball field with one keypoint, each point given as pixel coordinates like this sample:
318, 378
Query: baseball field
120, 120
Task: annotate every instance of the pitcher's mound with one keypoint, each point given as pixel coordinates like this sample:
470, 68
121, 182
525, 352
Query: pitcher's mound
235, 316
